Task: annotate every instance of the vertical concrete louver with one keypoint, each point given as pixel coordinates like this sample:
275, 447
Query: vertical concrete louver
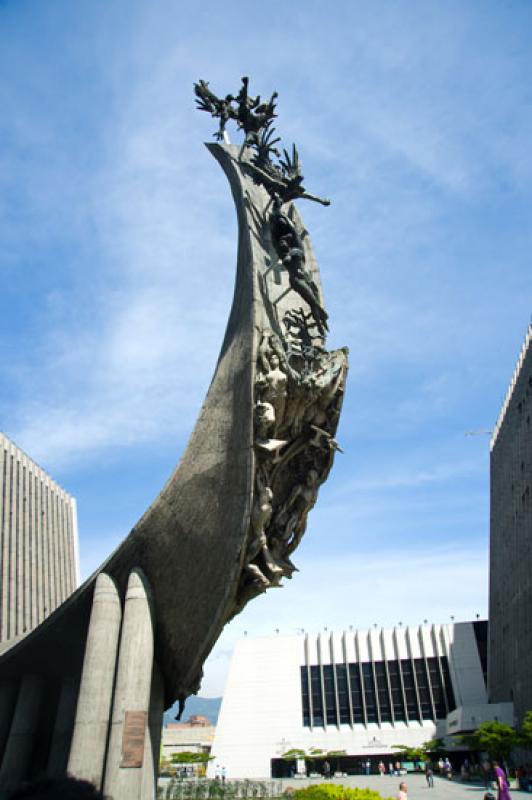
38, 543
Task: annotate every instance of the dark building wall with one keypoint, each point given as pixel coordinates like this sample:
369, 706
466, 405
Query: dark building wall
510, 629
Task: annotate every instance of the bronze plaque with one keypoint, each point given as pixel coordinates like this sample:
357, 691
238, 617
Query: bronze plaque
133, 738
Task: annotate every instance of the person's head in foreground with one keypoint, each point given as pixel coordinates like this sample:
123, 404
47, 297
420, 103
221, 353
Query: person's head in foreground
57, 789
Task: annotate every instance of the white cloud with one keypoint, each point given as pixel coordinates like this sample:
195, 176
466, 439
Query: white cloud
380, 587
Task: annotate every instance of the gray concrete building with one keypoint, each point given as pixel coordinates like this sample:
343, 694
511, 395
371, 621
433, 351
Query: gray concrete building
510, 613
39, 563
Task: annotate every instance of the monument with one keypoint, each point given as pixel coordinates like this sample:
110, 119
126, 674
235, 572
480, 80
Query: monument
85, 691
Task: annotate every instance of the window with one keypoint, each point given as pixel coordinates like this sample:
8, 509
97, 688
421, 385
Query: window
369, 692
330, 694
356, 693
382, 690
423, 688
410, 689
317, 700
304, 697
448, 684
437, 688
397, 691
343, 694
371, 687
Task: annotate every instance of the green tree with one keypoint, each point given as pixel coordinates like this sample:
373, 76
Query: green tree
495, 738
189, 757
429, 749
525, 731
292, 755
434, 747
406, 753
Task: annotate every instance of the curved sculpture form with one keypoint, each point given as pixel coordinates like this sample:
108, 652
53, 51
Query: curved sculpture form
222, 530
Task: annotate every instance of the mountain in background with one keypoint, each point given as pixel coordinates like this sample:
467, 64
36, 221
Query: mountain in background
205, 706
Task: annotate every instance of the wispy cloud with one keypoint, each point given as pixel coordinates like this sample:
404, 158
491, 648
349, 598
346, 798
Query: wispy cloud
383, 588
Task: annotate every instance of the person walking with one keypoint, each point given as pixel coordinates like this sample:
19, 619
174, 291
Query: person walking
485, 768
326, 770
382, 769
429, 775
503, 792
402, 794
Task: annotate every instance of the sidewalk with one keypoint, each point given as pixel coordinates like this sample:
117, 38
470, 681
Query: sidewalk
388, 786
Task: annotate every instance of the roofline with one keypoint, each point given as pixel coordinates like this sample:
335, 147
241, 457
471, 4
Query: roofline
509, 392
37, 466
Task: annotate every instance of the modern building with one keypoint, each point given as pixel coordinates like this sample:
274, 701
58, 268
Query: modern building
196, 735
360, 692
39, 561
510, 612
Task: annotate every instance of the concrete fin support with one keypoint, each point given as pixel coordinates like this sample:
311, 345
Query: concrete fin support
8, 695
63, 726
89, 740
18, 753
152, 748
132, 694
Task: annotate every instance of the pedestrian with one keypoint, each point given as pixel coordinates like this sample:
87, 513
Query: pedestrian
368, 767
326, 769
381, 768
397, 767
224, 774
402, 794
429, 774
486, 770
502, 783
447, 768
390, 768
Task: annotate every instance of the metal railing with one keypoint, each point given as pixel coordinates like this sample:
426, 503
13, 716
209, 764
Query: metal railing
206, 789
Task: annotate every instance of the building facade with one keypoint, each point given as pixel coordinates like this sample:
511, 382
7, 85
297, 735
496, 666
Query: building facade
360, 692
196, 735
510, 612
39, 561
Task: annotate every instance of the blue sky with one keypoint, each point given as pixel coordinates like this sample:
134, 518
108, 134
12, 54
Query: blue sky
118, 251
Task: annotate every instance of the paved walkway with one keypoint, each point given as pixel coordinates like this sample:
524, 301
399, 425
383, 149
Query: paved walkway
388, 786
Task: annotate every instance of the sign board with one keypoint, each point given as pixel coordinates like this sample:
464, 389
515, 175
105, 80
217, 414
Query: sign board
133, 736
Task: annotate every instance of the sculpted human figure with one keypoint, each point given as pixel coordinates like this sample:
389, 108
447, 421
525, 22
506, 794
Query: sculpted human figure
294, 515
274, 385
289, 247
272, 381
260, 519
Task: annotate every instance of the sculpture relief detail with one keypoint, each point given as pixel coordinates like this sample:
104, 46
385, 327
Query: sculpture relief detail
299, 385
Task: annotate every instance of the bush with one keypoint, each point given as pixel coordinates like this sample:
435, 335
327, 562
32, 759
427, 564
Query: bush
332, 791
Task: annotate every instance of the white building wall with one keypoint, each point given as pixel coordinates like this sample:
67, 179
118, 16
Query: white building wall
261, 705
460, 647
262, 717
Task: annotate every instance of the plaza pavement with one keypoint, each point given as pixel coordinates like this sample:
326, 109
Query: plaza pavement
388, 786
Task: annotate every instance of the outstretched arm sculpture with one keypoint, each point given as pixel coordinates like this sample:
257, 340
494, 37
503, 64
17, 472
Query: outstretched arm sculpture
84, 691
